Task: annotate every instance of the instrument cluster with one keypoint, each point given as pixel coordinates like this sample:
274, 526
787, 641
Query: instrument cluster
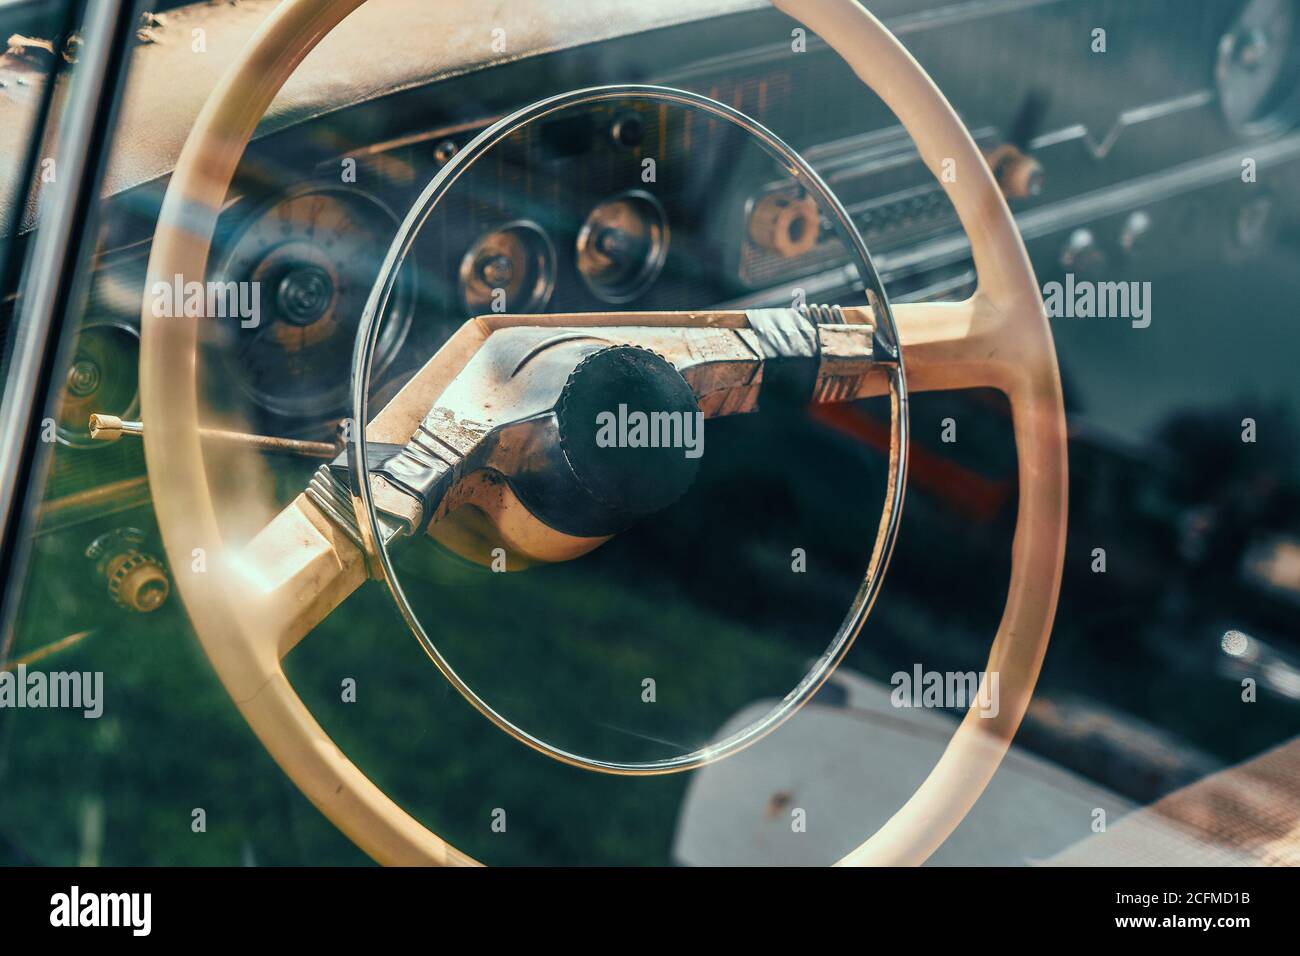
614, 204
311, 255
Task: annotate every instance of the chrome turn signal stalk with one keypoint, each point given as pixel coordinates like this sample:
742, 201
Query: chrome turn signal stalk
111, 428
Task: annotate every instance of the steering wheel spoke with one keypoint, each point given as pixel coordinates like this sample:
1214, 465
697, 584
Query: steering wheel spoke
304, 563
958, 345
307, 560
294, 573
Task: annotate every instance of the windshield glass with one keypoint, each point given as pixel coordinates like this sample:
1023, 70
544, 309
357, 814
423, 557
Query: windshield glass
185, 536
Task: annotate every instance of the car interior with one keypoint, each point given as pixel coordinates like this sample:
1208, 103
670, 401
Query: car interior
711, 433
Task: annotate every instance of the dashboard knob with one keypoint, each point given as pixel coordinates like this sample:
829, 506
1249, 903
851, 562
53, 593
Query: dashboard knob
1082, 253
137, 579
1019, 175
785, 225
628, 131
1135, 237
445, 152
139, 583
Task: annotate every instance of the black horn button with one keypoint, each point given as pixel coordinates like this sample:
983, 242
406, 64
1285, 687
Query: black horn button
631, 430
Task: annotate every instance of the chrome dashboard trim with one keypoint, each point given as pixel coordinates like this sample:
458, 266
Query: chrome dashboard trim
1043, 221
899, 25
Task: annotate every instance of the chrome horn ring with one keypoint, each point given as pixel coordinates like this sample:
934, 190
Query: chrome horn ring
887, 344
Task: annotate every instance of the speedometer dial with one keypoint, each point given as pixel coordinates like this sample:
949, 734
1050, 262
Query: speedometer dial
311, 258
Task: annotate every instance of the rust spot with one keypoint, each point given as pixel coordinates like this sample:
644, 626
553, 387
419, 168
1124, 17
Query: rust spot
777, 804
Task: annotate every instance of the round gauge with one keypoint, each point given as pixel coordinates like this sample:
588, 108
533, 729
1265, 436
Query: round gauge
1258, 68
511, 269
103, 378
622, 246
307, 261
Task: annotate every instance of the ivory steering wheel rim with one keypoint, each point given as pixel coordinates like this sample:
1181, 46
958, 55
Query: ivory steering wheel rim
998, 338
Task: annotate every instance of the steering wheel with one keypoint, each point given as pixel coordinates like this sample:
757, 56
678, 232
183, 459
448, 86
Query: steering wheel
250, 607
